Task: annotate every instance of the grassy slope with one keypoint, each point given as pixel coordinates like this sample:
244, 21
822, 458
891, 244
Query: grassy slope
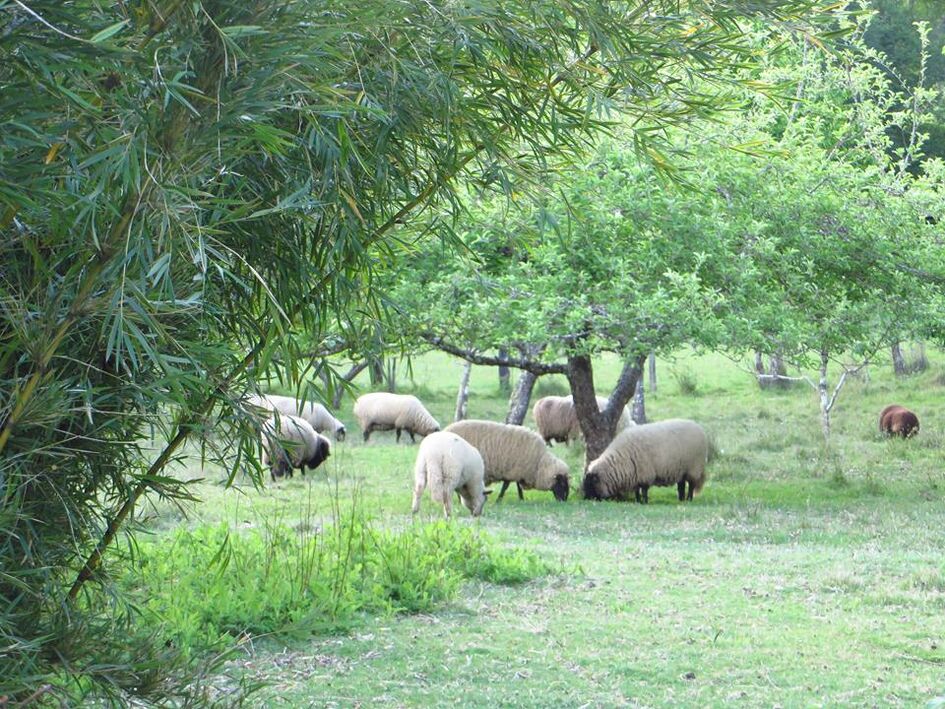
794, 579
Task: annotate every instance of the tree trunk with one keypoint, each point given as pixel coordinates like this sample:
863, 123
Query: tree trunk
759, 363
355, 370
377, 371
824, 394
651, 366
638, 408
390, 376
462, 398
521, 397
776, 368
505, 386
899, 362
598, 426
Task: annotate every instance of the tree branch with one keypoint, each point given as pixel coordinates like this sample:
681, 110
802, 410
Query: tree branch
470, 355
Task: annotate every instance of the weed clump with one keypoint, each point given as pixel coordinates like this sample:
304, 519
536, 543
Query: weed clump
210, 587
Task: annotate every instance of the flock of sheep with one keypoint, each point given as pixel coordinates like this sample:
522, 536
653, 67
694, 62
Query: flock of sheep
469, 455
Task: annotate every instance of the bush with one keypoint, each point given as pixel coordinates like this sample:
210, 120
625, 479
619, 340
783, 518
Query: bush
209, 586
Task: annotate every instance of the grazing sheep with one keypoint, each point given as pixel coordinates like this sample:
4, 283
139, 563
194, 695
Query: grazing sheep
317, 415
290, 442
515, 454
897, 420
382, 412
556, 418
671, 452
448, 463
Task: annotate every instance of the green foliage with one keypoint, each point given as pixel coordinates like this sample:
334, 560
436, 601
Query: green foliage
209, 587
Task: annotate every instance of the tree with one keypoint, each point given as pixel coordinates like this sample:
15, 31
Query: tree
189, 190
590, 271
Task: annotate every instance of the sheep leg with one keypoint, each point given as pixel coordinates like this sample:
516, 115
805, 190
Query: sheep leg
448, 505
691, 490
521, 495
412, 439
367, 434
646, 494
398, 435
637, 495
681, 489
505, 486
417, 493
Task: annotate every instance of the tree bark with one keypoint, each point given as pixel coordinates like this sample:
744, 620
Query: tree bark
377, 371
505, 385
390, 376
598, 426
759, 364
824, 395
462, 398
355, 370
899, 362
651, 365
520, 399
638, 408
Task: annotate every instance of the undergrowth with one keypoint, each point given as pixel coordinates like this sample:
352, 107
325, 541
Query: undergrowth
209, 586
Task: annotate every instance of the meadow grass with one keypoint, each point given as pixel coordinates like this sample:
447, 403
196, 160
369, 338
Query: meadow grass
800, 576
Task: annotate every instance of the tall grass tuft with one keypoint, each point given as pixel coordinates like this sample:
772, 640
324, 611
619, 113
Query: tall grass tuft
210, 586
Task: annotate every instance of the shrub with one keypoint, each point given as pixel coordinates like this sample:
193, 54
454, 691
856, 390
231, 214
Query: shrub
210, 586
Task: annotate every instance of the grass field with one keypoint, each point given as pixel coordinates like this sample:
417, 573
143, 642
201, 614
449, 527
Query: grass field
798, 578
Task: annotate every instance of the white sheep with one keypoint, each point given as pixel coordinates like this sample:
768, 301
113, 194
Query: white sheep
317, 415
671, 452
382, 411
447, 462
290, 442
515, 454
556, 418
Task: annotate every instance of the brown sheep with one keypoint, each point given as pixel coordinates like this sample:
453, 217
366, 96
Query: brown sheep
897, 420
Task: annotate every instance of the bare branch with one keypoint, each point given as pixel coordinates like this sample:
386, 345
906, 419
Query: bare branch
470, 355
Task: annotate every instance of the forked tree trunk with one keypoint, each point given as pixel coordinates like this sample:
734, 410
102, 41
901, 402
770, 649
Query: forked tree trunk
651, 366
390, 376
598, 426
377, 371
899, 362
520, 399
505, 385
638, 408
462, 397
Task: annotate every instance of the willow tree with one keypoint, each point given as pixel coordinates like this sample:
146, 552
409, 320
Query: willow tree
189, 190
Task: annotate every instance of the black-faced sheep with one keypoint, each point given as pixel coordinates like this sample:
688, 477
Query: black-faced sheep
556, 418
897, 420
515, 454
383, 412
448, 463
290, 442
672, 452
317, 415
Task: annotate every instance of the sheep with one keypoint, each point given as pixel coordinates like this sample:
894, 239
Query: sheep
515, 454
290, 442
317, 415
671, 452
381, 411
897, 420
556, 418
447, 462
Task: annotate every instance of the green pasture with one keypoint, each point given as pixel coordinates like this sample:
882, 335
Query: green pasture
800, 577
